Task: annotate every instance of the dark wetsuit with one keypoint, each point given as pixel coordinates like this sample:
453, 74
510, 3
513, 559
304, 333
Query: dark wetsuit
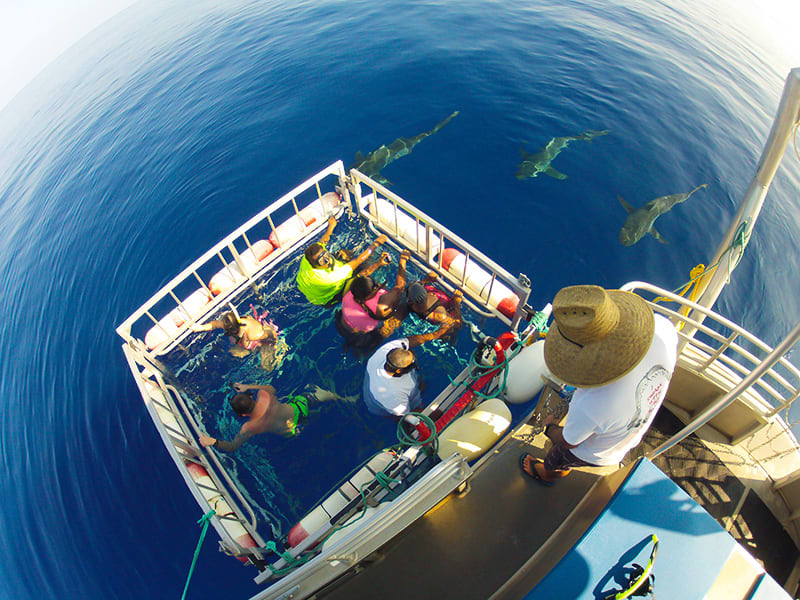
445, 302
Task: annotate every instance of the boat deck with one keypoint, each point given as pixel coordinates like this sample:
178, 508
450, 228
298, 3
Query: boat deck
477, 544
696, 468
477, 532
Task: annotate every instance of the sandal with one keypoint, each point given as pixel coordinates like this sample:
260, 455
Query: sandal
533, 474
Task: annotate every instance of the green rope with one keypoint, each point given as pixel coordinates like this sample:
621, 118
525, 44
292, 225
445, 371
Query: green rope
381, 477
204, 520
384, 480
539, 320
739, 241
292, 562
503, 366
406, 439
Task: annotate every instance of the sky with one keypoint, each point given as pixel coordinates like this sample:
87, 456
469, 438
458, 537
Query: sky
35, 32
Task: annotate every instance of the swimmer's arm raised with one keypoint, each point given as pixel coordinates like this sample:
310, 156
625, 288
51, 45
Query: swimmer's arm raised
327, 235
356, 262
457, 297
400, 281
383, 260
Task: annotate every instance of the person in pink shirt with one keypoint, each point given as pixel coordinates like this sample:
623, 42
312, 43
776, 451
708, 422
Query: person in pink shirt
366, 305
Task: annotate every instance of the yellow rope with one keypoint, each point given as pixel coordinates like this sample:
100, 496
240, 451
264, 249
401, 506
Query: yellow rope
694, 275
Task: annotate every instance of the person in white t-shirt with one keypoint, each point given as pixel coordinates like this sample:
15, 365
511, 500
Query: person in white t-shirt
619, 356
392, 387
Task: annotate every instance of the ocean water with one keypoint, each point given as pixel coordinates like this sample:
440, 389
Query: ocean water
171, 124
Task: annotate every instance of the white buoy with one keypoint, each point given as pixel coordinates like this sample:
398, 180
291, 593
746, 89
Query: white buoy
474, 433
525, 373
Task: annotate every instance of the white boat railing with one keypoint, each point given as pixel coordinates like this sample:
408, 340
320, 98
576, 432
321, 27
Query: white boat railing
488, 288
726, 354
233, 518
160, 324
731, 248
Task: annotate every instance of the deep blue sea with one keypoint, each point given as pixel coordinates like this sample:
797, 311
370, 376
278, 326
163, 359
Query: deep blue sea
173, 123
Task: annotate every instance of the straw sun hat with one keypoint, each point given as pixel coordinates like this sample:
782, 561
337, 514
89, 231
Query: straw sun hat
598, 335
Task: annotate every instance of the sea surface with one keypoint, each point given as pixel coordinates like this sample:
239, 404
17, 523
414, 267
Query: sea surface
174, 122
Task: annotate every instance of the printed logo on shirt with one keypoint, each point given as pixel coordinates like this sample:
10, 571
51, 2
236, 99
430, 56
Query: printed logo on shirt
649, 393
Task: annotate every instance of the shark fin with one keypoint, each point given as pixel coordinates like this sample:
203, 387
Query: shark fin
657, 235
553, 173
359, 157
625, 204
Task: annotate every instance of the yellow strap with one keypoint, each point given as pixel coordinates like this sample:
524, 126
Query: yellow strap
694, 279
694, 276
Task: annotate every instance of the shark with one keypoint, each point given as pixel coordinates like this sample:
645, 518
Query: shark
371, 164
640, 220
533, 164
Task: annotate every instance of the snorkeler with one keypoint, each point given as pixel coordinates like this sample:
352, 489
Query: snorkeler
249, 335
429, 304
323, 277
367, 304
266, 414
392, 385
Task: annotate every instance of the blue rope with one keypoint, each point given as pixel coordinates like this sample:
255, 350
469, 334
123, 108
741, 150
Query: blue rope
204, 520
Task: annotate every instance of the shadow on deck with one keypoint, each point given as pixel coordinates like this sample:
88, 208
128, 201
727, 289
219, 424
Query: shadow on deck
704, 476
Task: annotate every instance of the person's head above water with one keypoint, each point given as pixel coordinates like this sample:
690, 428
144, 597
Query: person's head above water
243, 404
416, 293
400, 361
231, 324
318, 256
363, 287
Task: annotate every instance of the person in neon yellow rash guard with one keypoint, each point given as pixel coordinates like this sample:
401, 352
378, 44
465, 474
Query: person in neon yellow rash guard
323, 278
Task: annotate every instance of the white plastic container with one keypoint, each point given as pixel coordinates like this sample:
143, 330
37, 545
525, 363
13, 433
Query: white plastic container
230, 276
294, 228
474, 433
525, 371
193, 307
479, 282
160, 333
401, 225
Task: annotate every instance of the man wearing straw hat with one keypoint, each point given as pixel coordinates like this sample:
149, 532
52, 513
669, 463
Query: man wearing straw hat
620, 356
